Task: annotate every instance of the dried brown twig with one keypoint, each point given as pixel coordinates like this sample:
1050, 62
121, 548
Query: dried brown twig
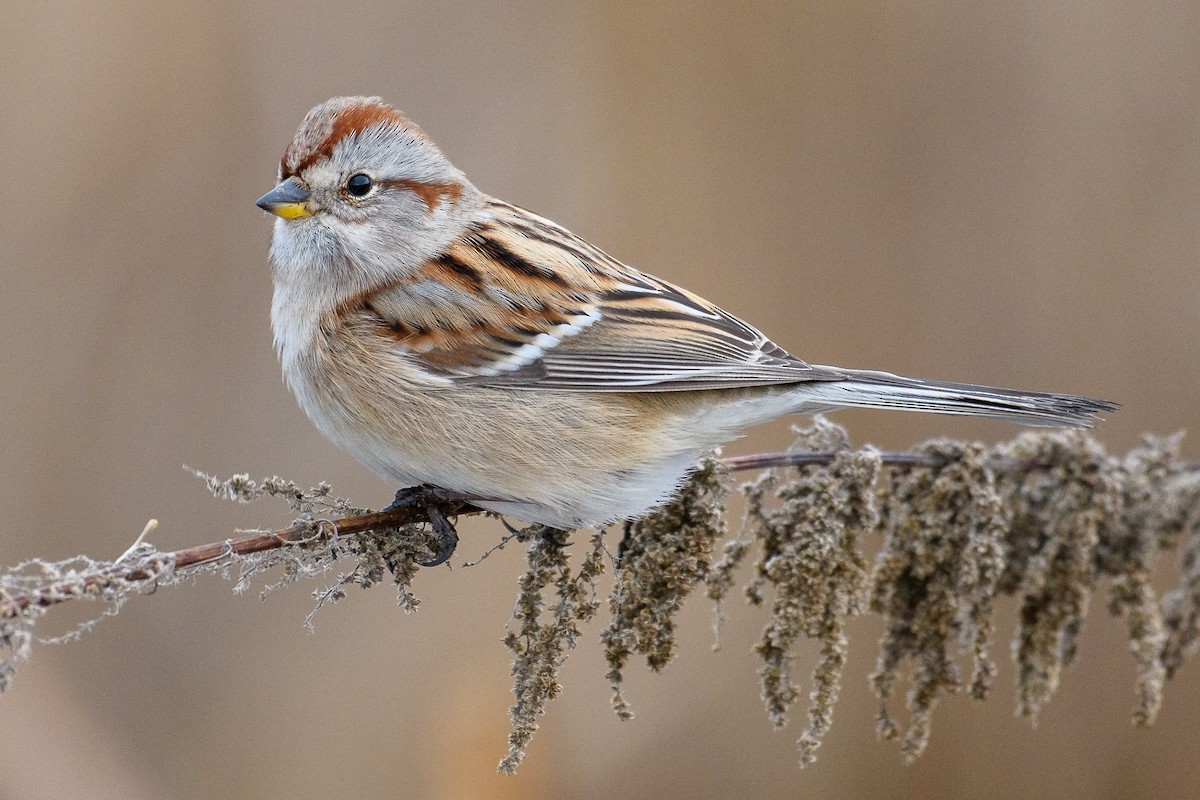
149, 566
146, 567
952, 526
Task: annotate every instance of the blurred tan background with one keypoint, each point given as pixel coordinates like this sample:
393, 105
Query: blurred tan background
996, 192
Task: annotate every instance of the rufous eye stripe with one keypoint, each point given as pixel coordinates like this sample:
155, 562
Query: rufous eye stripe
432, 194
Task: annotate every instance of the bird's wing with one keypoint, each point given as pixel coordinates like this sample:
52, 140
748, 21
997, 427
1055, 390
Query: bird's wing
522, 303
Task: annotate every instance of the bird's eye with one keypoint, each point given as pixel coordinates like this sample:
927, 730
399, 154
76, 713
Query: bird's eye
359, 185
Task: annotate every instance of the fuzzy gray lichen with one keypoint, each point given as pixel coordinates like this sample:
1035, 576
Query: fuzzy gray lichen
396, 549
77, 578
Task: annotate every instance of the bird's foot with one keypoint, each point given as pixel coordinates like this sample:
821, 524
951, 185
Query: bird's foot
430, 499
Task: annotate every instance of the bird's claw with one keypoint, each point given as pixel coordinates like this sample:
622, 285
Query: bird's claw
447, 537
428, 499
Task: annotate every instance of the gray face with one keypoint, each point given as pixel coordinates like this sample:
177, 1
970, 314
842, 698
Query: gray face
367, 195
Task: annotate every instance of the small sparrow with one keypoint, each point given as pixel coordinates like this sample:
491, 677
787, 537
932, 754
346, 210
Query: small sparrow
453, 341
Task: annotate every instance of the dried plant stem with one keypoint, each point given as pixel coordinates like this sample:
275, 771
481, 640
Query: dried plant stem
822, 458
134, 569
826, 458
1042, 518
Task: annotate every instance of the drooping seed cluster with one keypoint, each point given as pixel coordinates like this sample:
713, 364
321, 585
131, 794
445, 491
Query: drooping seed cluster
1048, 519
662, 557
543, 634
1045, 518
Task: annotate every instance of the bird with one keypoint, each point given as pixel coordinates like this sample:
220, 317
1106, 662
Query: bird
465, 347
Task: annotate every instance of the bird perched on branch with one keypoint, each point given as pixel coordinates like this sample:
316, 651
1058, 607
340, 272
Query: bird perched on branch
459, 344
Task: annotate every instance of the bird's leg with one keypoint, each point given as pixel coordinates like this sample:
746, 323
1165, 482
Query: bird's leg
626, 541
429, 499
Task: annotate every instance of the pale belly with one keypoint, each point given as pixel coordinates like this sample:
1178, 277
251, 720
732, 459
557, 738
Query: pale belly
565, 459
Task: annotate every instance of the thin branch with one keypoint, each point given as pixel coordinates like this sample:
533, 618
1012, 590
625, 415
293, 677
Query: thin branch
325, 530
826, 458
1042, 518
135, 570
132, 569
767, 460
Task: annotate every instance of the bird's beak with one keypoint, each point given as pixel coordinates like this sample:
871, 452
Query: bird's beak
288, 200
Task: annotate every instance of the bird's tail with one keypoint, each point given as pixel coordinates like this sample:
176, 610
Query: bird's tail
867, 389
